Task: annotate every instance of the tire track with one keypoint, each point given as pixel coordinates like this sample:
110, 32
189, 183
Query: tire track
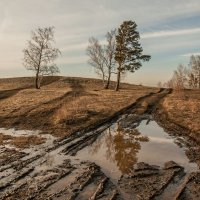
31, 177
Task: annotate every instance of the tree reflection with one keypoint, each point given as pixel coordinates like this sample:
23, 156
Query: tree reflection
122, 146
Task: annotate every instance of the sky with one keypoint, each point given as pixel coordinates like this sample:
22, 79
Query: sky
169, 31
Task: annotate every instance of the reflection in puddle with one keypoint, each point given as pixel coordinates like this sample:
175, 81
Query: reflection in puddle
119, 148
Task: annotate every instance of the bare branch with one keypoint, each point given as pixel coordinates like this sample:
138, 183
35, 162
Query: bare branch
40, 54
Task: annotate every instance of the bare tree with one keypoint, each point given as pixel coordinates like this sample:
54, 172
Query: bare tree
179, 80
159, 84
110, 55
102, 57
181, 76
195, 71
169, 84
192, 80
96, 54
39, 54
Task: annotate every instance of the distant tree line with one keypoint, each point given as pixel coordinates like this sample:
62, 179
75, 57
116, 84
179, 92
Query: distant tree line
122, 53
186, 77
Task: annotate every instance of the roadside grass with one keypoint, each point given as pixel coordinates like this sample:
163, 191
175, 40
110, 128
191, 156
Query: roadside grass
184, 109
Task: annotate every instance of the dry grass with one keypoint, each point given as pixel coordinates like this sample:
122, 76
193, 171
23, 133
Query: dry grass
21, 141
4, 138
106, 102
184, 109
63, 105
82, 111
27, 141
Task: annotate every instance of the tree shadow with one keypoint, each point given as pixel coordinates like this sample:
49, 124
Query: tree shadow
47, 80
75, 83
4, 94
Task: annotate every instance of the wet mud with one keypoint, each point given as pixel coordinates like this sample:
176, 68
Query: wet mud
60, 169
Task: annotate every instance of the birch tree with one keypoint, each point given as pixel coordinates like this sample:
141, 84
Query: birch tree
39, 55
101, 57
110, 55
96, 57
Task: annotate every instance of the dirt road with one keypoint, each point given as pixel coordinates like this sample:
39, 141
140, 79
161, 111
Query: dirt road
54, 171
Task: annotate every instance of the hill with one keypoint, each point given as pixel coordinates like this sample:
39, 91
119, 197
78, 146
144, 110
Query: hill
63, 104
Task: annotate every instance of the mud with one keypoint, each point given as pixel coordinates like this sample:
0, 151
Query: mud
169, 182
54, 171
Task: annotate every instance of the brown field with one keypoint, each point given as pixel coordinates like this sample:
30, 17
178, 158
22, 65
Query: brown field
62, 105
184, 109
110, 129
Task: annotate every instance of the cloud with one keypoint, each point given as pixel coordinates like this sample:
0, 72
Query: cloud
75, 21
170, 33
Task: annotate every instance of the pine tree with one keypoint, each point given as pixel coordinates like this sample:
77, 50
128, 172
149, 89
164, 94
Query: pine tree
129, 53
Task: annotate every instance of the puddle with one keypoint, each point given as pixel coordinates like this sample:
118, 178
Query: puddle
119, 148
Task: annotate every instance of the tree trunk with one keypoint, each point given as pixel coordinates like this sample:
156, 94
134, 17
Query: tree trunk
37, 81
103, 80
108, 82
37, 85
118, 80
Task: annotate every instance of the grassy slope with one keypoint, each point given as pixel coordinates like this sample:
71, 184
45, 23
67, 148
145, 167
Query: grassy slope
63, 104
184, 109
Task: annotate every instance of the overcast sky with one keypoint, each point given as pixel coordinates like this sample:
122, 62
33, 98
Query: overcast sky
169, 29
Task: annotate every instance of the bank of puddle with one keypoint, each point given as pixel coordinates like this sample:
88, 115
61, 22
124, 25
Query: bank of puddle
118, 149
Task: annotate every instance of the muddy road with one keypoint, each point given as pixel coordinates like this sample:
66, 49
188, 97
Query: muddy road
129, 157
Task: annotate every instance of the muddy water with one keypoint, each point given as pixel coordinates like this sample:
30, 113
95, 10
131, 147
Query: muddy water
120, 147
